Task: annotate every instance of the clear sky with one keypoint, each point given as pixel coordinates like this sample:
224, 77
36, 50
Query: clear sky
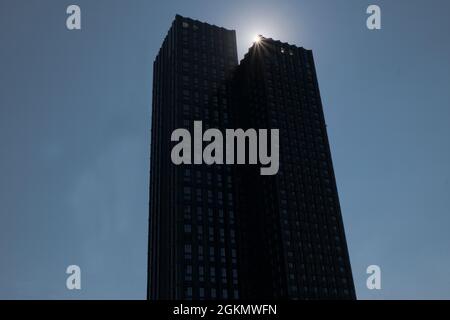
75, 121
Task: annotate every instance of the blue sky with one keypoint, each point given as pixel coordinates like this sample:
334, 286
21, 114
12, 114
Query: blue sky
75, 121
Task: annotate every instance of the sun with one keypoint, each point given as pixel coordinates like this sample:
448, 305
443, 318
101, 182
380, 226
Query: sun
257, 39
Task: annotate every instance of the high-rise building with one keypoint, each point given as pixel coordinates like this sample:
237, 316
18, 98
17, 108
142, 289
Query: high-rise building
292, 242
225, 231
192, 236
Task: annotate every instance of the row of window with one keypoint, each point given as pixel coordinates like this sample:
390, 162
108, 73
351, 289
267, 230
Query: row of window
213, 293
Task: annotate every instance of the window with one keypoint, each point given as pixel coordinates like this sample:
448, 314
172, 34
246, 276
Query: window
188, 274
213, 274
187, 248
187, 213
187, 193
188, 292
201, 274
200, 253
211, 234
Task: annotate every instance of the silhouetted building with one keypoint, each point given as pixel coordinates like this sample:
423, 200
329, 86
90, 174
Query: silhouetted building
292, 242
192, 244
225, 231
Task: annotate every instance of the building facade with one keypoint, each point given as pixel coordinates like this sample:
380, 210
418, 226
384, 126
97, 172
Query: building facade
224, 231
290, 223
192, 234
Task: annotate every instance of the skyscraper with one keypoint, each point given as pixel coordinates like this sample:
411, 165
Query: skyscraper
292, 241
225, 231
192, 240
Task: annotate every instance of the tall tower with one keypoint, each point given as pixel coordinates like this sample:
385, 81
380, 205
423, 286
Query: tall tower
192, 234
292, 241
225, 231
